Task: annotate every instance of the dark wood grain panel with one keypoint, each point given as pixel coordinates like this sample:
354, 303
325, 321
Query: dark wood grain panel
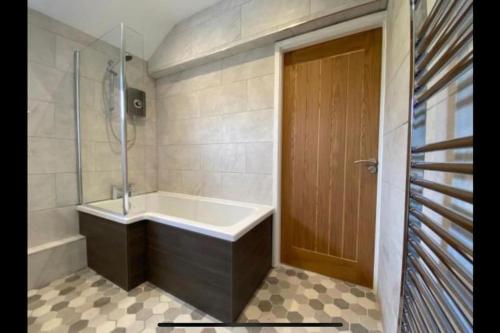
218, 277
193, 267
115, 250
252, 260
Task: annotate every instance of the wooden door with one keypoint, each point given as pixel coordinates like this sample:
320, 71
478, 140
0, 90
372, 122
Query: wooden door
330, 120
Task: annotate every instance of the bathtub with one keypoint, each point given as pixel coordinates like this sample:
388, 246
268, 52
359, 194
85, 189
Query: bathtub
224, 219
211, 253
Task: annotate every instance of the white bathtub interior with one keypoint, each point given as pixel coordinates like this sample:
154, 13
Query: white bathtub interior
220, 218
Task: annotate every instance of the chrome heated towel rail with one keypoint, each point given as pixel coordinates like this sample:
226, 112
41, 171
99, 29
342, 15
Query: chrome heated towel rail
437, 282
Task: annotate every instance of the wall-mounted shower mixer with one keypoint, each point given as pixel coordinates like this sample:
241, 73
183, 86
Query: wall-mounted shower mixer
136, 102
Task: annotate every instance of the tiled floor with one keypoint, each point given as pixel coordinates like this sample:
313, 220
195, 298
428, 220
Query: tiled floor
87, 302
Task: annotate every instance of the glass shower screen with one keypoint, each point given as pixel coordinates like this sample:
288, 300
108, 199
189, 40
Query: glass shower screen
106, 132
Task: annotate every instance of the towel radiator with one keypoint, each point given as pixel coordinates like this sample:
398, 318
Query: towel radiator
437, 282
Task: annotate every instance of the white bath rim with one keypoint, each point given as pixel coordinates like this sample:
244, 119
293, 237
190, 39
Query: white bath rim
228, 233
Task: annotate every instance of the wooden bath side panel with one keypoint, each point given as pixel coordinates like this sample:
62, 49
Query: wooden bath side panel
193, 267
252, 260
114, 250
216, 276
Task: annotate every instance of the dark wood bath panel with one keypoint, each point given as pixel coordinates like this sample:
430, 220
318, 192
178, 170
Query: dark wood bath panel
218, 277
114, 250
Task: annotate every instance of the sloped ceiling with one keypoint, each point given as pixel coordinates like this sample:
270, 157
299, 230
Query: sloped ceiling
151, 18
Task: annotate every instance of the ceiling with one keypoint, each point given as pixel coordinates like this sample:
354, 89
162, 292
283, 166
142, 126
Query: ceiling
152, 18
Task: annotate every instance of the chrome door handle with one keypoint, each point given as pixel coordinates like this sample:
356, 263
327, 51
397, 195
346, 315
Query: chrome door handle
372, 167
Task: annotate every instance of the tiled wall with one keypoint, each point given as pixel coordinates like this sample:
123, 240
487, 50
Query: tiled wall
395, 132
53, 244
245, 24
215, 128
52, 189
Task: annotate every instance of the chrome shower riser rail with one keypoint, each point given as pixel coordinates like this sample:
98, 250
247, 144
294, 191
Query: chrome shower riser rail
123, 121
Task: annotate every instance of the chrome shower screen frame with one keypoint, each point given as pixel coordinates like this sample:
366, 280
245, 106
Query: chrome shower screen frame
123, 121
122, 87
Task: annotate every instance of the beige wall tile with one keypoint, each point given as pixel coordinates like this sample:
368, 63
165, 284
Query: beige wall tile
223, 157
65, 49
391, 250
41, 191
64, 91
216, 32
254, 126
329, 6
64, 153
151, 180
64, 120
97, 185
137, 180
105, 159
151, 114
211, 184
201, 77
136, 157
57, 27
41, 45
180, 157
247, 187
66, 189
180, 106
192, 182
246, 65
87, 92
51, 224
41, 118
229, 27
397, 99
150, 157
259, 157
394, 157
93, 63
228, 98
261, 92
174, 48
257, 16
394, 162
40, 156
197, 130
43, 81
210, 144
398, 36
170, 180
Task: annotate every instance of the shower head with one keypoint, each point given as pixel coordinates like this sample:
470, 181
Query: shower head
112, 63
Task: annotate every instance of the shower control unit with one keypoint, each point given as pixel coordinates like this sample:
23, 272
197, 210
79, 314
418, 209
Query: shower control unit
136, 102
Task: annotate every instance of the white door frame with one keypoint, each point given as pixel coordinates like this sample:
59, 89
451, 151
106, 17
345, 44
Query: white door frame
364, 23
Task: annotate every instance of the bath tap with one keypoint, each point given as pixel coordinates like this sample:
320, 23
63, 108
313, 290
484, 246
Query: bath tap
117, 191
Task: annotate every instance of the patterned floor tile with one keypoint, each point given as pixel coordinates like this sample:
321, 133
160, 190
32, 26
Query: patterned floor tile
87, 302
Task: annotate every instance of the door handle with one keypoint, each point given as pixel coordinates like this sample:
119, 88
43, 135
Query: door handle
372, 164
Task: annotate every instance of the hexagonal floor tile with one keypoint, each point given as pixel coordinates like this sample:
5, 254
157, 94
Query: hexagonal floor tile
87, 302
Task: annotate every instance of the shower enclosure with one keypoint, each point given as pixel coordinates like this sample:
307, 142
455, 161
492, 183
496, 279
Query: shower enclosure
110, 117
